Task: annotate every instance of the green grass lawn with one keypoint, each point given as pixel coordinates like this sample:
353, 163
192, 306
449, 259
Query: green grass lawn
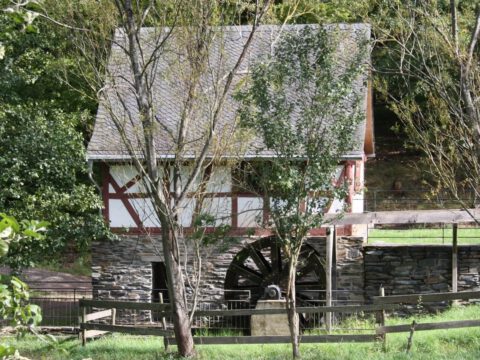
466, 236
440, 344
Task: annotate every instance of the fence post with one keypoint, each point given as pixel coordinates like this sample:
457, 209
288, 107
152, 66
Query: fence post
114, 315
410, 338
454, 258
82, 317
329, 260
164, 322
381, 319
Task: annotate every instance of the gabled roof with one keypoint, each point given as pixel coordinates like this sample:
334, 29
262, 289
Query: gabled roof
169, 80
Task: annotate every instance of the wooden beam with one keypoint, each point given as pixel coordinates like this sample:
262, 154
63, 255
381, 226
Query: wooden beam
135, 330
415, 298
98, 315
428, 326
349, 309
220, 340
454, 258
94, 333
125, 305
404, 217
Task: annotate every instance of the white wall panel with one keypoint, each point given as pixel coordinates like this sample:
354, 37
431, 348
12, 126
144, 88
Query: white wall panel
220, 180
337, 206
145, 211
187, 208
122, 174
250, 210
119, 216
220, 208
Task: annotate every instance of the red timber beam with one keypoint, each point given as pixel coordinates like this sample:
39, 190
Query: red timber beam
120, 193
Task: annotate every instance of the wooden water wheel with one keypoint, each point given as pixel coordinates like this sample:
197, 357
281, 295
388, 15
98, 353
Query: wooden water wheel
263, 263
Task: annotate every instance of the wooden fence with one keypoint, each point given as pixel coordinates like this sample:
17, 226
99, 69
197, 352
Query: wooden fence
380, 305
90, 330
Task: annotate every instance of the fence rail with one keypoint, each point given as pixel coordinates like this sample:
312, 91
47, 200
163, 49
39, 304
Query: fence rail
224, 340
428, 297
427, 326
381, 304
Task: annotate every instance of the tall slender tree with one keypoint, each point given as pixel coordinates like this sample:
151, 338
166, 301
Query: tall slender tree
304, 103
427, 69
138, 43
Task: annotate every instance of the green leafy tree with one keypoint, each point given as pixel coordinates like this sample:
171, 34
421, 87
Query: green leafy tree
18, 241
14, 294
306, 110
427, 70
43, 120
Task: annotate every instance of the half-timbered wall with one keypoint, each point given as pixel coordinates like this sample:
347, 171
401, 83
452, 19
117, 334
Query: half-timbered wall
128, 207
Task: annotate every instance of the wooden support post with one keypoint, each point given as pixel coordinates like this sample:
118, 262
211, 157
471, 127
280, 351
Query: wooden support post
381, 319
454, 258
82, 321
164, 322
328, 273
334, 264
410, 338
114, 315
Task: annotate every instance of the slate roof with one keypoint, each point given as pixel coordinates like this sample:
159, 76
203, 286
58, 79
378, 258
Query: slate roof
169, 80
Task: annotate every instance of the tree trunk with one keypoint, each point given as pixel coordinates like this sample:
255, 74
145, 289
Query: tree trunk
176, 289
293, 319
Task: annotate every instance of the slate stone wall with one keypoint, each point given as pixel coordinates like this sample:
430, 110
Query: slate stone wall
350, 271
122, 269
120, 273
419, 268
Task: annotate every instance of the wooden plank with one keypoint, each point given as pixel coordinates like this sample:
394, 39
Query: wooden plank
94, 333
404, 217
415, 298
164, 308
454, 258
125, 305
300, 310
98, 315
223, 340
126, 329
427, 326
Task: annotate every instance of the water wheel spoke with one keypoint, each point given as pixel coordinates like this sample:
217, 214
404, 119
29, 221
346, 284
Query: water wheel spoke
308, 285
308, 268
260, 261
248, 273
263, 263
305, 297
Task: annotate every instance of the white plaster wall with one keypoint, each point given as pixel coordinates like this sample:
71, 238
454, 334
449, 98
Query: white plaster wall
122, 174
220, 181
145, 211
250, 210
220, 208
119, 216
357, 200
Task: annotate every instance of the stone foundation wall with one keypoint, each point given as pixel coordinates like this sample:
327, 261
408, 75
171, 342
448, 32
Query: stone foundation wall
419, 268
350, 271
122, 269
